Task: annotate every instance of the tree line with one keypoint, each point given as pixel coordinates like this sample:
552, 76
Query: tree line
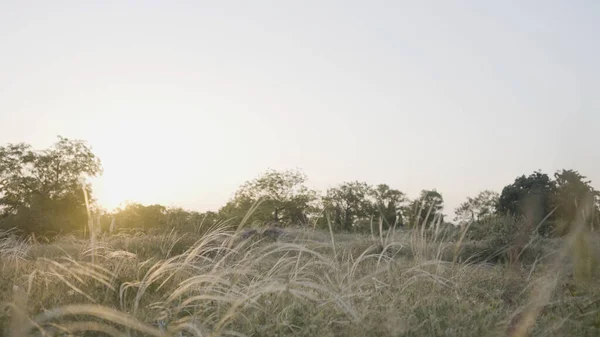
45, 192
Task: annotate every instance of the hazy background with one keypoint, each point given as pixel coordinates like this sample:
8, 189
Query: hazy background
185, 101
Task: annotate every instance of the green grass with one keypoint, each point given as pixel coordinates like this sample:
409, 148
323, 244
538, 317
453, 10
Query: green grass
309, 283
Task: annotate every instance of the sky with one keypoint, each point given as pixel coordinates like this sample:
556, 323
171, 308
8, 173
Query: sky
183, 101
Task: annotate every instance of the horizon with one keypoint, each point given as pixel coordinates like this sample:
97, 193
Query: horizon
184, 103
121, 204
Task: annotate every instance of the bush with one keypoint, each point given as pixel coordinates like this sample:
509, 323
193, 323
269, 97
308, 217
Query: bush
497, 229
506, 237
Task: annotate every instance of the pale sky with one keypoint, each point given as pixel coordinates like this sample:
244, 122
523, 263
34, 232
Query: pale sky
183, 101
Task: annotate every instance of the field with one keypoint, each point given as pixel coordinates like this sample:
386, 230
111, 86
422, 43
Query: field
295, 282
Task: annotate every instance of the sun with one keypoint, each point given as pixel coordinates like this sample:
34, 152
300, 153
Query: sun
111, 192
106, 201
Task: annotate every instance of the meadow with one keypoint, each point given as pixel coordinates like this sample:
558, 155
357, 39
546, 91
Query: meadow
228, 281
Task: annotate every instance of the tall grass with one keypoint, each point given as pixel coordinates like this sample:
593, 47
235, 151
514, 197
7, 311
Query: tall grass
215, 283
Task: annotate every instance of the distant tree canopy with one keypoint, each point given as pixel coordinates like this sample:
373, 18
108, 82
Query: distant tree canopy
389, 203
283, 195
347, 203
138, 216
42, 191
477, 208
529, 196
574, 196
351, 204
561, 201
427, 208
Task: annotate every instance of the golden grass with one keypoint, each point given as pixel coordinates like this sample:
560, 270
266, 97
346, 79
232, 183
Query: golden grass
401, 283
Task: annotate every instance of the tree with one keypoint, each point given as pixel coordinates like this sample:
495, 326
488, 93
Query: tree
388, 204
574, 198
42, 191
428, 207
348, 202
177, 217
285, 198
239, 206
138, 216
529, 196
477, 208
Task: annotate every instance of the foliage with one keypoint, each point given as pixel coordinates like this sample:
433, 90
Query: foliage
347, 203
283, 195
190, 221
574, 198
150, 218
562, 201
41, 191
529, 196
426, 209
388, 204
477, 208
240, 206
498, 229
135, 215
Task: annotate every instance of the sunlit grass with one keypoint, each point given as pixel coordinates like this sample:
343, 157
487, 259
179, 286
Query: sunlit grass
419, 282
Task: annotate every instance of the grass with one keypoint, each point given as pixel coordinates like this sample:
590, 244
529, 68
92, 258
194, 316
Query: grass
308, 283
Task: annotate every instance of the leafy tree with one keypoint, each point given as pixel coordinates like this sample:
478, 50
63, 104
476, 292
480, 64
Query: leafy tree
177, 217
477, 208
529, 196
42, 191
427, 208
239, 206
208, 218
135, 215
388, 203
349, 202
189, 221
574, 198
285, 198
